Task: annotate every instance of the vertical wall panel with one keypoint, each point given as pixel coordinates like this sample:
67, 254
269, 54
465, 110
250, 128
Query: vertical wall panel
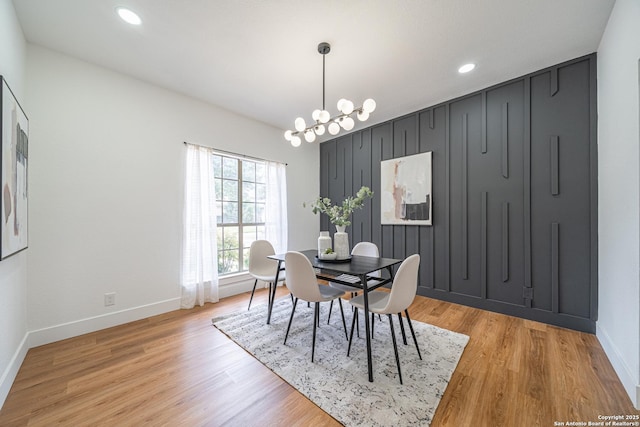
465, 197
433, 262
483, 245
555, 166
561, 187
466, 176
505, 140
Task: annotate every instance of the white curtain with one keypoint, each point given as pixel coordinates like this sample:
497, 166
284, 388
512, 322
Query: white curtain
199, 279
276, 207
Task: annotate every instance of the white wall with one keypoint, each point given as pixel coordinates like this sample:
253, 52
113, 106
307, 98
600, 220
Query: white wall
107, 159
618, 327
13, 270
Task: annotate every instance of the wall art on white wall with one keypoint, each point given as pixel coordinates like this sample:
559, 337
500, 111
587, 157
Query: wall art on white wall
14, 137
405, 190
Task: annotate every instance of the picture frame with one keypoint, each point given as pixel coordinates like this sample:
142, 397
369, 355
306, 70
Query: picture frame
406, 190
14, 155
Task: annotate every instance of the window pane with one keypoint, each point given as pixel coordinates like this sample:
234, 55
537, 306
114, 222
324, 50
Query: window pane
227, 262
230, 238
229, 190
219, 239
248, 236
248, 171
248, 192
218, 184
230, 168
230, 212
261, 193
218, 212
261, 173
248, 213
260, 209
245, 260
260, 234
217, 166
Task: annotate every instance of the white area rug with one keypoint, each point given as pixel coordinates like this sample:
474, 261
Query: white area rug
338, 384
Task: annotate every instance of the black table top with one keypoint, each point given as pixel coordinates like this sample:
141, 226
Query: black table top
358, 265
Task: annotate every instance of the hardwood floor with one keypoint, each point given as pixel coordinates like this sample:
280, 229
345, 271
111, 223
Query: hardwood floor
177, 370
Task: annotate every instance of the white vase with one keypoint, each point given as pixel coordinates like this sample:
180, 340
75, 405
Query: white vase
341, 242
324, 242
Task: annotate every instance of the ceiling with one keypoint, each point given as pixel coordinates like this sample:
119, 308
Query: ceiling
259, 58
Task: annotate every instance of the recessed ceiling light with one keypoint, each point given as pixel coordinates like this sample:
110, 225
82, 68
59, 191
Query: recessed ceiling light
129, 16
466, 68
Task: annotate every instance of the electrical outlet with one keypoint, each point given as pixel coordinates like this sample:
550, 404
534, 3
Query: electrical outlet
110, 299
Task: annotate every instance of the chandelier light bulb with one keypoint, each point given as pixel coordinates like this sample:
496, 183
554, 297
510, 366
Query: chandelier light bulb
300, 124
340, 103
315, 115
347, 107
334, 128
296, 141
324, 116
319, 129
287, 135
363, 115
369, 106
310, 136
347, 123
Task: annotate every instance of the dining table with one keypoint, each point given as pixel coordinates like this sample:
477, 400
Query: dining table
354, 271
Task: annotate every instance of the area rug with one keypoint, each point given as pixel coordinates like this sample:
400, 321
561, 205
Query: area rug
339, 384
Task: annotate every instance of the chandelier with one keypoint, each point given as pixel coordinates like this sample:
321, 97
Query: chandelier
322, 118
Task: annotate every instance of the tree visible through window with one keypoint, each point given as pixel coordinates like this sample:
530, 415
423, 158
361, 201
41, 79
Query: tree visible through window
241, 187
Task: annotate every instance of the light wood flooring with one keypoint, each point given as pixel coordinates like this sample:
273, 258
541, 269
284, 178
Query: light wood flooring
177, 370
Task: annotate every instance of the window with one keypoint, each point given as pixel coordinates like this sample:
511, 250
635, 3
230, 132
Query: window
241, 189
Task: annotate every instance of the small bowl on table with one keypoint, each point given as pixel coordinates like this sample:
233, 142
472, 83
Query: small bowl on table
328, 257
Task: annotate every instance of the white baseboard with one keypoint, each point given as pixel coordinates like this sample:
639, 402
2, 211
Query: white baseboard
9, 374
92, 324
621, 367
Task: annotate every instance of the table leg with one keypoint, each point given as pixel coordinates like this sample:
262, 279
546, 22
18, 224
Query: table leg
272, 293
367, 333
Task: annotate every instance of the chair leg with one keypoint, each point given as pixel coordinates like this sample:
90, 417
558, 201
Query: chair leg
404, 336
330, 310
315, 325
271, 296
353, 323
355, 314
344, 323
252, 292
293, 309
395, 346
291, 295
415, 341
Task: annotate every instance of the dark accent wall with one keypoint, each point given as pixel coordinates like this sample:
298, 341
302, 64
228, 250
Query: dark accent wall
514, 195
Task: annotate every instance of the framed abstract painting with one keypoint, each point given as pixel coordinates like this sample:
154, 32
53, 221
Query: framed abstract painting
405, 189
14, 139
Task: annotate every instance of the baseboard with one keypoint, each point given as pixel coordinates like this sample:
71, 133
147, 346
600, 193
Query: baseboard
9, 374
230, 286
621, 367
79, 327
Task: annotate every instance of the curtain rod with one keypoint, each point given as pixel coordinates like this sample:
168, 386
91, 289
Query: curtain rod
243, 156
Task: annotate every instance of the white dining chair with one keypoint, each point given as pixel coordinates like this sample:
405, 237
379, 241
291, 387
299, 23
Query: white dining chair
262, 268
403, 292
360, 249
303, 284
